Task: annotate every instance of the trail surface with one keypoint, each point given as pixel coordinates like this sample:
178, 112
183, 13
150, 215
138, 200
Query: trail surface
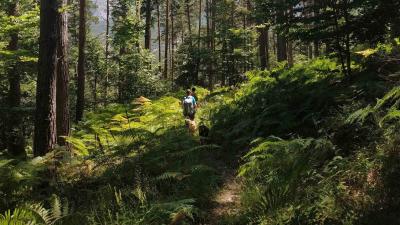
226, 202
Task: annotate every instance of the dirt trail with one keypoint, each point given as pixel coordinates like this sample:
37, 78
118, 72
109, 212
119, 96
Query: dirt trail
227, 200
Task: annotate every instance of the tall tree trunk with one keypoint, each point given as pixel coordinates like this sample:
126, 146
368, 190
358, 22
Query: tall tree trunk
290, 53
316, 48
45, 136
189, 22
196, 78
212, 40
107, 54
166, 39
208, 39
121, 77
262, 47
347, 38
337, 37
159, 33
147, 35
281, 39
172, 45
309, 51
15, 138
316, 41
281, 48
80, 102
63, 118
274, 43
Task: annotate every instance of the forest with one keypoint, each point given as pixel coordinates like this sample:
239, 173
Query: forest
199, 112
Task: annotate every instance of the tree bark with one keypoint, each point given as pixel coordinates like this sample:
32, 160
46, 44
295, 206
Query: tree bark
159, 33
189, 22
80, 102
63, 116
147, 36
166, 39
212, 43
290, 53
281, 48
107, 54
262, 47
15, 138
45, 136
172, 45
316, 48
337, 37
196, 78
347, 38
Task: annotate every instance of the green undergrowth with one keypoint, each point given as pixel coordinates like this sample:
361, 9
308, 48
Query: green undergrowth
310, 147
316, 147
131, 164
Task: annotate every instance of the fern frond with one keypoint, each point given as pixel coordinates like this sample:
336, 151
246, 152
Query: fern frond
18, 217
171, 176
360, 115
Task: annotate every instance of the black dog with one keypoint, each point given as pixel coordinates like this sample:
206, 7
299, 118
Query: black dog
203, 133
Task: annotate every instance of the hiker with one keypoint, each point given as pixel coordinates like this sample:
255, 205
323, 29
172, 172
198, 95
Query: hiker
194, 94
189, 105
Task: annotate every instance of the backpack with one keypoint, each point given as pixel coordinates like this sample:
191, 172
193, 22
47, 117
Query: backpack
188, 106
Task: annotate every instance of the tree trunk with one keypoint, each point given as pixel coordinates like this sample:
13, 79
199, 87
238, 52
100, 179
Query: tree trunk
337, 39
290, 53
316, 48
15, 138
309, 51
262, 47
63, 119
212, 40
172, 46
166, 39
121, 77
281, 48
208, 39
347, 38
147, 35
159, 33
189, 23
281, 39
107, 54
80, 102
45, 136
196, 78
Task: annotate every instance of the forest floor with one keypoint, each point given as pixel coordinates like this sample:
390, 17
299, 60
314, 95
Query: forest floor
225, 204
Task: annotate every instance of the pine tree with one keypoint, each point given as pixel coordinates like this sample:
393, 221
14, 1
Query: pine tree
63, 115
45, 137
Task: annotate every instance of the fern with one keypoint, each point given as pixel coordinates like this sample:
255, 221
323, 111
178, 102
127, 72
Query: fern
18, 217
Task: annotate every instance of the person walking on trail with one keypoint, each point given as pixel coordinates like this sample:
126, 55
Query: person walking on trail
189, 105
194, 94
